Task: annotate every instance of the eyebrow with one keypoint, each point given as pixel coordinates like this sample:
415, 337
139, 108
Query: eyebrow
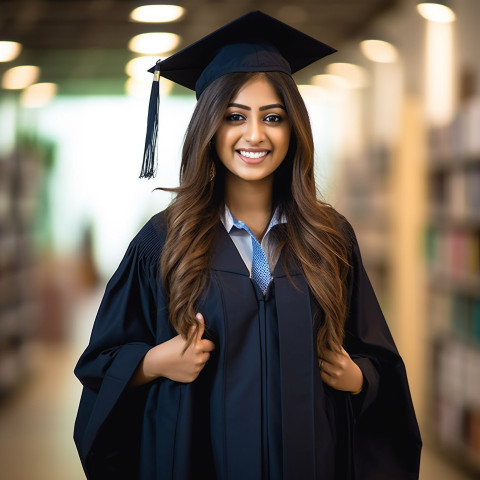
265, 107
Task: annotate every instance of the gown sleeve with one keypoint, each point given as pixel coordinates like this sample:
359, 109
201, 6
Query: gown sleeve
123, 332
386, 440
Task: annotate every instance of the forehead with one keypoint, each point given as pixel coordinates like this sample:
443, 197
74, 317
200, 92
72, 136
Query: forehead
257, 91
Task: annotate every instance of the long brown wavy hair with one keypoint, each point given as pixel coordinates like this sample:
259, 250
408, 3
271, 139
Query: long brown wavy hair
310, 237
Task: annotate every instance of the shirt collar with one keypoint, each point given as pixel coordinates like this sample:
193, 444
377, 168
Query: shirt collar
229, 220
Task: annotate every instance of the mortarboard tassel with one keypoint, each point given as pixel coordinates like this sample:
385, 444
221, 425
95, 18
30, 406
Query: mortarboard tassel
149, 165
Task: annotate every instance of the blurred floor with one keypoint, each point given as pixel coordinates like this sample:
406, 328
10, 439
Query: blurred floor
36, 423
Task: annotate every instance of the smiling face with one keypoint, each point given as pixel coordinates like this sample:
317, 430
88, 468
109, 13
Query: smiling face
254, 136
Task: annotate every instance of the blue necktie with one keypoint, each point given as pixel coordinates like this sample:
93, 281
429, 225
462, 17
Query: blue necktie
260, 269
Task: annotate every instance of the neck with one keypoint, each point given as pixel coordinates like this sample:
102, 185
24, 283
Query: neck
250, 202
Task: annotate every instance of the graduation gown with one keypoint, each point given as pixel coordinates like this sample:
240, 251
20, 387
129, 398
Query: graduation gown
259, 409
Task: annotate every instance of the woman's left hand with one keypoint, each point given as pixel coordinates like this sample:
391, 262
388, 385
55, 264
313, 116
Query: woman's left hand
339, 371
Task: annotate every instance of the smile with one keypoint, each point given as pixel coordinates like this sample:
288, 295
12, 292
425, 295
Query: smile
247, 154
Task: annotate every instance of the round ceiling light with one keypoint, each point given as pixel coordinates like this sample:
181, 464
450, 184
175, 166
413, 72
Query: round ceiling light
353, 75
379, 51
9, 50
139, 66
155, 43
140, 88
329, 81
38, 95
436, 12
157, 13
17, 78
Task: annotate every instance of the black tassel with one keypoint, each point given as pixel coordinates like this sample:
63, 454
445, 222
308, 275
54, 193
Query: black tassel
149, 165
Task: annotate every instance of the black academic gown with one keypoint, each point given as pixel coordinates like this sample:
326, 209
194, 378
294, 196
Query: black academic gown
258, 410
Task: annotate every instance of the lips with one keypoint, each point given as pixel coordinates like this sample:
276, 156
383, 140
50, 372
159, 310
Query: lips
253, 155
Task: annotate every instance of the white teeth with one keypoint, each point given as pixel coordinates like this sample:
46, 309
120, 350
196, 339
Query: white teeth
252, 154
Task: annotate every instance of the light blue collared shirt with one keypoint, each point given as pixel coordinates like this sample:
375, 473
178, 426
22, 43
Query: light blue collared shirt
242, 240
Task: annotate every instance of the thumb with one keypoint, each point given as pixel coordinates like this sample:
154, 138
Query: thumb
201, 326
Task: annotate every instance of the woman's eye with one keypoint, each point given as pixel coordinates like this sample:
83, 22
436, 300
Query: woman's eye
235, 117
273, 118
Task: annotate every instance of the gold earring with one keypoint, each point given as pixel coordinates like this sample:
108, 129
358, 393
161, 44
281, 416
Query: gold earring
213, 172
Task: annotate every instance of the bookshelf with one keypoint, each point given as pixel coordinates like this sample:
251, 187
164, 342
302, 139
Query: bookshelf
452, 244
19, 174
364, 198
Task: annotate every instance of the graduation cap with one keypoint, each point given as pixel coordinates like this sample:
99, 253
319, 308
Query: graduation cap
255, 42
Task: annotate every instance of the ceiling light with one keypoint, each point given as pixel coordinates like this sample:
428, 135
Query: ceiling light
379, 51
38, 95
141, 88
157, 13
312, 92
354, 76
328, 81
155, 43
9, 51
17, 78
139, 66
437, 11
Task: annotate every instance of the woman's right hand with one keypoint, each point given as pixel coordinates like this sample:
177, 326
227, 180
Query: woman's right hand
171, 360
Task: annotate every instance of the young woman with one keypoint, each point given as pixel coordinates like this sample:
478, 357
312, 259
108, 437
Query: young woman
240, 337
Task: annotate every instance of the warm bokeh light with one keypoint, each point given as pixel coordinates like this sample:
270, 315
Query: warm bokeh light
141, 88
154, 43
379, 51
354, 76
38, 95
436, 12
17, 78
312, 91
139, 66
439, 74
157, 13
329, 81
9, 50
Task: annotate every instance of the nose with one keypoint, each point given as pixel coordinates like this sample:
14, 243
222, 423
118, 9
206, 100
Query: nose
254, 131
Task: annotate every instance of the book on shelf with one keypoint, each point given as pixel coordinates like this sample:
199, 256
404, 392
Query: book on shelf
457, 193
457, 395
454, 253
461, 137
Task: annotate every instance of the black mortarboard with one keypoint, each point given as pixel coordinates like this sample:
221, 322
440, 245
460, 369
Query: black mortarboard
254, 42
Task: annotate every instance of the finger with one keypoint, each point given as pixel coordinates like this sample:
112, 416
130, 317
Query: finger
329, 356
327, 374
327, 361
334, 357
321, 364
191, 332
207, 345
202, 360
325, 370
201, 326
326, 378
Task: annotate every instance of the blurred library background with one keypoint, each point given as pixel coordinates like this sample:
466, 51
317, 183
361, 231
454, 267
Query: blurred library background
396, 120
